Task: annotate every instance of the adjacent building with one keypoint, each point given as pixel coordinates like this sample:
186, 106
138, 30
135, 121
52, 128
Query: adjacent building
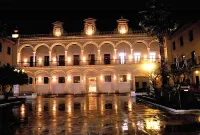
87, 62
8, 51
185, 44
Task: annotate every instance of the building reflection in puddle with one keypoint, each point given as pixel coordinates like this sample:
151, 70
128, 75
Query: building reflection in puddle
68, 104
130, 104
22, 111
105, 108
92, 100
53, 107
116, 103
102, 104
39, 105
69, 114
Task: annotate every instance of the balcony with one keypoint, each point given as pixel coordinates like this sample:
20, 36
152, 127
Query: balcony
84, 62
81, 34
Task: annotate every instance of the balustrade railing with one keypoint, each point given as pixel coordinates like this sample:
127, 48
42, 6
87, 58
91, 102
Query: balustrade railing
81, 34
84, 62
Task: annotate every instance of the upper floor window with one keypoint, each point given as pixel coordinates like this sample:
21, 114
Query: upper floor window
181, 41
190, 35
174, 45
108, 78
137, 57
0, 47
9, 50
122, 57
152, 56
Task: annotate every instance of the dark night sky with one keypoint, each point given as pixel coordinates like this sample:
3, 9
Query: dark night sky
37, 17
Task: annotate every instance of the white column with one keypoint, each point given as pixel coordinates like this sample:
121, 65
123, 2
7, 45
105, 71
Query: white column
99, 55
18, 58
82, 53
50, 84
131, 55
34, 53
33, 84
81, 59
132, 52
134, 88
133, 78
115, 53
50, 61
148, 50
65, 57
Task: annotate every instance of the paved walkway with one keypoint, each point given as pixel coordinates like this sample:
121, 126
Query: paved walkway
100, 115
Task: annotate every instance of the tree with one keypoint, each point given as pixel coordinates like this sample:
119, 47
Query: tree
158, 21
10, 76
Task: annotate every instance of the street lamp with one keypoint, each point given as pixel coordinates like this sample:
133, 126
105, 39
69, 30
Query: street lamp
148, 67
15, 35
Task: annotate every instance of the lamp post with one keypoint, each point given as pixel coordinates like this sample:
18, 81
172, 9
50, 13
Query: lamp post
15, 37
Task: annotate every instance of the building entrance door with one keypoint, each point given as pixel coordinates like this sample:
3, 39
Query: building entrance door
92, 85
197, 80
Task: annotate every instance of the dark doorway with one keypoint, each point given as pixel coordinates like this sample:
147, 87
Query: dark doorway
106, 58
193, 55
31, 61
144, 84
61, 60
91, 59
197, 80
46, 60
76, 59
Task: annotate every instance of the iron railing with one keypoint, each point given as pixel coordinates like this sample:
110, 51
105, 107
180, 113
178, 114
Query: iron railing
84, 62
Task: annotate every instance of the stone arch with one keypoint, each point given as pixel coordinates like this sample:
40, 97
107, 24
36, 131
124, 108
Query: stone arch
73, 70
41, 71
74, 43
29, 73
42, 44
152, 41
55, 44
107, 69
124, 41
107, 42
89, 70
24, 45
56, 71
90, 42
141, 41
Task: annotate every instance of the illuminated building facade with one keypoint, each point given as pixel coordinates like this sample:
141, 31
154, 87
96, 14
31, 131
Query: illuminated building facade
87, 62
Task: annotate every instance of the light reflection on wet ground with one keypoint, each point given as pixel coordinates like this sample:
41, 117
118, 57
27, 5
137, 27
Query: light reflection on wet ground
100, 115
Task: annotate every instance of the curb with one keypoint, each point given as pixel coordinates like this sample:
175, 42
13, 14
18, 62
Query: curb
171, 109
11, 103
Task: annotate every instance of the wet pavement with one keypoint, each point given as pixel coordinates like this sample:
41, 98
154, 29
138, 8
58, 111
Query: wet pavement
100, 115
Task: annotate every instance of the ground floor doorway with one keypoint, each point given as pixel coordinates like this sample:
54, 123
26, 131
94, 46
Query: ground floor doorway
92, 85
